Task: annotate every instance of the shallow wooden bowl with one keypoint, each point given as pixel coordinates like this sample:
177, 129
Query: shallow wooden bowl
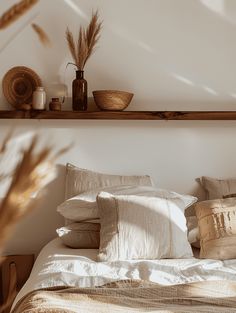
112, 100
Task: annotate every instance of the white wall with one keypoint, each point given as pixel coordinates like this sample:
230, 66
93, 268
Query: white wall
174, 54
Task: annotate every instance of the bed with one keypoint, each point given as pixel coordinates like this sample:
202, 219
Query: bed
144, 262
74, 276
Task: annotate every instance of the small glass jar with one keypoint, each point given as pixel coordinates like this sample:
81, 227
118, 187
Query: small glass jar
55, 105
39, 99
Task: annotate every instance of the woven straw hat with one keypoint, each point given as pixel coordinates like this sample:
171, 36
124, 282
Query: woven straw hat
18, 85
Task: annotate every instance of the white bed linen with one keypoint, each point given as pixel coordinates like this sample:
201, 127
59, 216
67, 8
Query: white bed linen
58, 265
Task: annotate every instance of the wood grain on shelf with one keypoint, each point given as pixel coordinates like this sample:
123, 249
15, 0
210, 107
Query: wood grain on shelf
124, 115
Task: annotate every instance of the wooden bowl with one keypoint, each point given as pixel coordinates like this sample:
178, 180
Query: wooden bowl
112, 100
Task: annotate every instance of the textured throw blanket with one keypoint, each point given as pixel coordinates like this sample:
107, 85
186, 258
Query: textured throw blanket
134, 296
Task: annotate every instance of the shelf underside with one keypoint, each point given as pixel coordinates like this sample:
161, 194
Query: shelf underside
124, 115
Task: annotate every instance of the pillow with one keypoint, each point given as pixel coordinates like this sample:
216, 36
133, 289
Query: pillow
217, 226
193, 231
94, 221
218, 188
150, 224
80, 235
83, 207
80, 180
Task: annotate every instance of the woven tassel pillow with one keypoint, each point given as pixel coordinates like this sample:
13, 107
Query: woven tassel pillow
217, 227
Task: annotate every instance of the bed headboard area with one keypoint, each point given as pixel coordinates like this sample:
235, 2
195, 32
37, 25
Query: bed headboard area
174, 154
170, 59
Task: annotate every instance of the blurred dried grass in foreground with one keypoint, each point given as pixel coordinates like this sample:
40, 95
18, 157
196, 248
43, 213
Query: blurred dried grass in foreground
15, 12
33, 172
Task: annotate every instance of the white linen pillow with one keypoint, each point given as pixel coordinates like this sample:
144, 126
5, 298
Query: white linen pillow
81, 180
80, 235
83, 207
150, 224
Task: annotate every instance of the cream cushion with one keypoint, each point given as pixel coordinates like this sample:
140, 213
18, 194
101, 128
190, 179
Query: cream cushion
218, 188
81, 180
217, 227
80, 235
150, 224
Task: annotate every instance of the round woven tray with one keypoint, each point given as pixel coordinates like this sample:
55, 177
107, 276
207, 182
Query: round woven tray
18, 86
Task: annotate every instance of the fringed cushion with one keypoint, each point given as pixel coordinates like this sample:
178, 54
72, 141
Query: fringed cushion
217, 226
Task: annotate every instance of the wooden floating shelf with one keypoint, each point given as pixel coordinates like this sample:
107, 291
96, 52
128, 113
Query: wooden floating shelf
124, 115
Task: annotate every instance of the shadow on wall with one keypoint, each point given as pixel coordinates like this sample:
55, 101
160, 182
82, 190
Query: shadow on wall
189, 58
224, 8
39, 227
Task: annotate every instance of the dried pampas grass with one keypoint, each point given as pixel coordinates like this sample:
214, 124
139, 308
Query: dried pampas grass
15, 12
34, 171
82, 48
42, 35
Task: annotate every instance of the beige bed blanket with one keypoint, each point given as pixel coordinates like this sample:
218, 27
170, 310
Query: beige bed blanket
134, 296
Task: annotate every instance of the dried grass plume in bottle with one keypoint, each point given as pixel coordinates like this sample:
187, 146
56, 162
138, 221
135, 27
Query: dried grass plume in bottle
83, 47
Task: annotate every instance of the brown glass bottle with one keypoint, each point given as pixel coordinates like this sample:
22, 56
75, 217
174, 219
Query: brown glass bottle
80, 92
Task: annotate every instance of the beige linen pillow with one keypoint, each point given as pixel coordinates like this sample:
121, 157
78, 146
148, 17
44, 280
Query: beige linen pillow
218, 188
80, 235
217, 227
81, 180
150, 224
